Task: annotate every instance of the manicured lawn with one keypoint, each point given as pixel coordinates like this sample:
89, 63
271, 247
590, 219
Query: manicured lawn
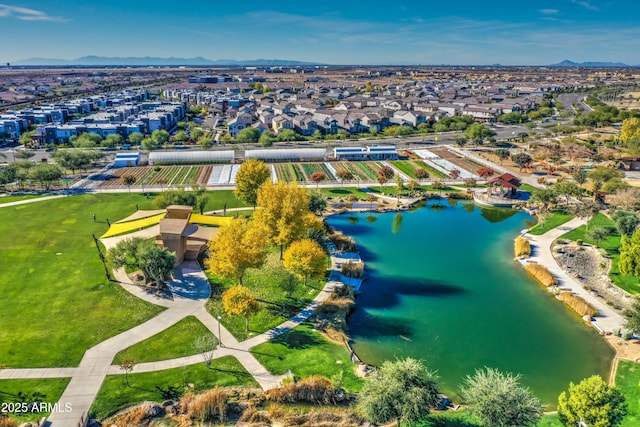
176, 341
50, 390
612, 245
628, 381
218, 198
270, 285
557, 219
527, 187
8, 199
306, 352
114, 395
433, 173
55, 299
343, 192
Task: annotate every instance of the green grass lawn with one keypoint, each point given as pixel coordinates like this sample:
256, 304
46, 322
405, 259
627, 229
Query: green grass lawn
433, 173
343, 192
114, 395
55, 299
306, 352
17, 198
612, 245
51, 389
628, 381
176, 341
527, 188
218, 198
270, 285
557, 219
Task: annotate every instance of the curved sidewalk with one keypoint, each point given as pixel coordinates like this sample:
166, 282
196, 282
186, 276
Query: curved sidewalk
607, 319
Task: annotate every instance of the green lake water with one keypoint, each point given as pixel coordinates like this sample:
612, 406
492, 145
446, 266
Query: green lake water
442, 286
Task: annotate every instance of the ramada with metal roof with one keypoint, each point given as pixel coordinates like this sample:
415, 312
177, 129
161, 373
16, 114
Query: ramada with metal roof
190, 157
298, 154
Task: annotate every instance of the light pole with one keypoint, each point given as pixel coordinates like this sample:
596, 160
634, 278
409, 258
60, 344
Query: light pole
219, 329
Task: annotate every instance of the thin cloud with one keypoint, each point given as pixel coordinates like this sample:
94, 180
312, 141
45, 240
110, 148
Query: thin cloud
549, 11
586, 4
26, 14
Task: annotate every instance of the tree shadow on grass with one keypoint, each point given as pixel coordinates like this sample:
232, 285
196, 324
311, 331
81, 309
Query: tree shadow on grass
297, 339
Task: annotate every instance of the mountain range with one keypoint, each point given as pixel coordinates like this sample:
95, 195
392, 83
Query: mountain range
155, 61
567, 63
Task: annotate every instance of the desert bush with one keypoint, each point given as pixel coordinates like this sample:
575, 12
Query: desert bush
208, 406
316, 389
252, 415
132, 417
541, 274
522, 246
324, 418
7, 422
352, 269
371, 198
352, 198
342, 242
578, 304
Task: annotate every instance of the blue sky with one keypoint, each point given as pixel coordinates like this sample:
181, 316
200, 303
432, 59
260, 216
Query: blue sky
334, 32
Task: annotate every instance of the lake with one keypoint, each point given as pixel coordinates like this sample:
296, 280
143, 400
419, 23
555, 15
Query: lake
441, 286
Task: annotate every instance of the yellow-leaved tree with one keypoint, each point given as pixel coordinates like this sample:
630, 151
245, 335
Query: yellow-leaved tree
239, 300
283, 212
251, 175
630, 129
305, 258
237, 246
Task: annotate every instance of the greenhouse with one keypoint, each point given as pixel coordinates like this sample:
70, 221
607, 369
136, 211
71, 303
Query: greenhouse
287, 154
190, 157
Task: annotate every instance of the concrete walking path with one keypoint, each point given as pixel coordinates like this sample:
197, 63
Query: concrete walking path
34, 200
607, 319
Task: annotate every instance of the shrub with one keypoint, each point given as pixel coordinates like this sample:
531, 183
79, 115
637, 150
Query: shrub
342, 242
132, 417
352, 269
541, 274
208, 406
7, 422
578, 304
522, 246
316, 389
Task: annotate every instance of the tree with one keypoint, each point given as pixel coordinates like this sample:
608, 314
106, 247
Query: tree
129, 180
421, 173
201, 201
26, 138
478, 133
196, 134
399, 186
461, 141
236, 247
344, 175
181, 136
592, 402
586, 210
45, 174
502, 153
580, 176
630, 130
178, 196
248, 135
239, 300
288, 135
251, 175
267, 138
632, 317
160, 136
630, 254
135, 253
566, 189
305, 258
76, 159
627, 199
545, 197
87, 140
499, 400
385, 173
127, 366
597, 234
318, 177
206, 345
150, 144
112, 140
283, 211
135, 138
317, 202
403, 389
454, 174
601, 175
205, 142
521, 159
626, 222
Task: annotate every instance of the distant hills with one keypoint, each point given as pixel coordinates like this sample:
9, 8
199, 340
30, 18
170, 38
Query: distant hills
156, 61
567, 63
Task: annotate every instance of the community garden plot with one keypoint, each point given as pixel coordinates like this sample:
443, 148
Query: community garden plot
158, 176
409, 167
301, 172
362, 171
445, 162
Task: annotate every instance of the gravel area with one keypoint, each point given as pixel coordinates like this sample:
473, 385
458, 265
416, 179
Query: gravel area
589, 268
